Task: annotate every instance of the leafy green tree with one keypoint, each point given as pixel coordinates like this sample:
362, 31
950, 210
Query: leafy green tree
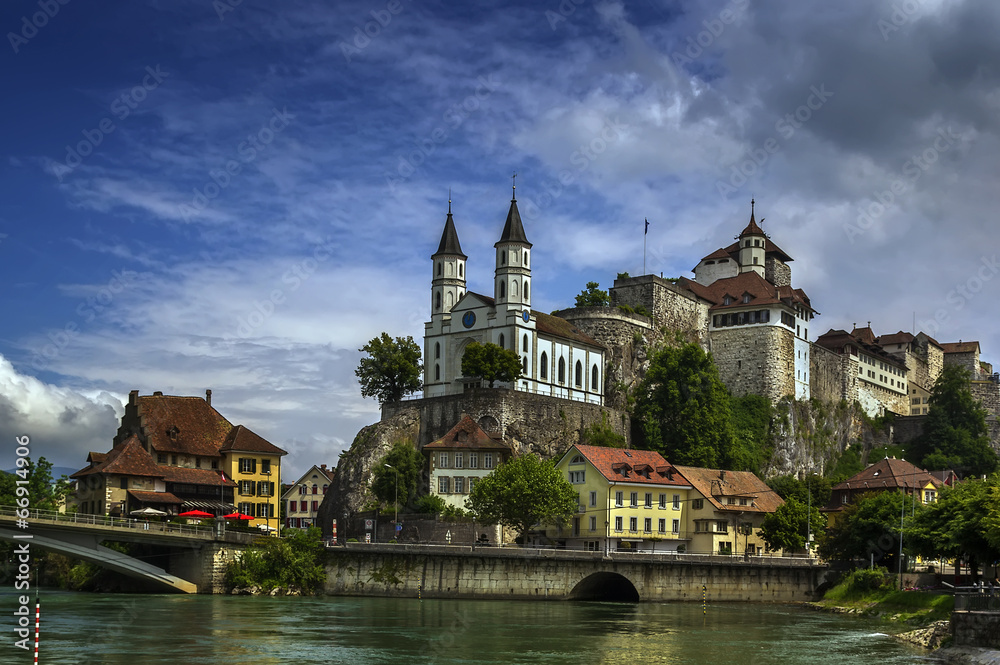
430, 504
870, 525
521, 492
602, 434
682, 408
491, 363
787, 527
751, 417
955, 434
593, 296
391, 370
41, 491
958, 524
623, 275
789, 487
408, 463
992, 518
847, 464
294, 561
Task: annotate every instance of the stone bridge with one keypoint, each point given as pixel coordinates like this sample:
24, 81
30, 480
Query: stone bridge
194, 557
437, 571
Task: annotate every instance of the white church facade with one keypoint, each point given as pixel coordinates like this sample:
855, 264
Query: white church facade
557, 359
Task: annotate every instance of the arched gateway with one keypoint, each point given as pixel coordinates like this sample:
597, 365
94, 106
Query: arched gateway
608, 587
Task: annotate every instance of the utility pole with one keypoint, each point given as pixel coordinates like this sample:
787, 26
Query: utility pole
395, 503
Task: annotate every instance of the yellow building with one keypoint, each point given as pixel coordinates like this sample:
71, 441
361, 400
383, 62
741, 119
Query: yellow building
630, 500
726, 511
255, 464
886, 475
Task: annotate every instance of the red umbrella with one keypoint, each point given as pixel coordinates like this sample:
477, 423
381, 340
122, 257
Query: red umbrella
237, 516
196, 513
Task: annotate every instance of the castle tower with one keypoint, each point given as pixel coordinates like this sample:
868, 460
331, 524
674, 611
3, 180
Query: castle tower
751, 244
512, 281
448, 283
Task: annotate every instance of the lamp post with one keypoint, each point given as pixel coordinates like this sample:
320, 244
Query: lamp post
395, 503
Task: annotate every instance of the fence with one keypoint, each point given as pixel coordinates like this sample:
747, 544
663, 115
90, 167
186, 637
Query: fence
985, 599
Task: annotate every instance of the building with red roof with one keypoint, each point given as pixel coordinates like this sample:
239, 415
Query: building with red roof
460, 458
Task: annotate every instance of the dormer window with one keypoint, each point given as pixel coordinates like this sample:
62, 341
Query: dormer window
173, 432
728, 300
746, 298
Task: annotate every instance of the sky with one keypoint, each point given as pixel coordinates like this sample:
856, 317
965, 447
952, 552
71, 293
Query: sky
238, 195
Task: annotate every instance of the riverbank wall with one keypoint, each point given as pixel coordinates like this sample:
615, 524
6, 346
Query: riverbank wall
513, 573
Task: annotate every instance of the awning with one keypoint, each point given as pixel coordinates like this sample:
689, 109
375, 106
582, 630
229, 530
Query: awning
630, 540
217, 506
154, 497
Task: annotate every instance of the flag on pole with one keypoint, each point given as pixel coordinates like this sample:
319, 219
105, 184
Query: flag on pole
647, 228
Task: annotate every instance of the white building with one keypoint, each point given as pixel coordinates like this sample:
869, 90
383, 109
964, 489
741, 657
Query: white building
557, 358
462, 457
302, 499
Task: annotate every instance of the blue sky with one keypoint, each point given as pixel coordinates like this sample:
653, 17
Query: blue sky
200, 195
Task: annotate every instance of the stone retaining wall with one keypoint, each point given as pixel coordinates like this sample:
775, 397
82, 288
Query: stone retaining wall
976, 629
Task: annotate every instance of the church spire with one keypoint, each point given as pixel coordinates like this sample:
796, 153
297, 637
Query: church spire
752, 228
513, 230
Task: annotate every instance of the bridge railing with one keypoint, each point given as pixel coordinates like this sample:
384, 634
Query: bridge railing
51, 516
977, 599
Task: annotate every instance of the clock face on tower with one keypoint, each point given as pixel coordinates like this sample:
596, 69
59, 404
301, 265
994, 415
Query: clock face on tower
469, 319
526, 315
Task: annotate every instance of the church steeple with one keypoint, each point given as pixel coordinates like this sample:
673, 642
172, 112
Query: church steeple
512, 284
448, 283
752, 242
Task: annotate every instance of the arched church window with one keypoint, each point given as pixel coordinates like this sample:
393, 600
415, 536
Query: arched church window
503, 258
543, 366
450, 300
578, 374
524, 365
459, 269
524, 344
439, 268
525, 258
525, 290
437, 349
501, 340
503, 289
593, 378
562, 370
437, 300
513, 289
437, 372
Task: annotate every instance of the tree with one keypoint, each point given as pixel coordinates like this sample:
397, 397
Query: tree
751, 417
391, 370
786, 528
491, 363
789, 487
682, 408
521, 492
955, 434
408, 463
593, 296
41, 492
602, 434
868, 526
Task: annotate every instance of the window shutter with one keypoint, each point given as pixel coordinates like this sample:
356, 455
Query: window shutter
260, 488
270, 489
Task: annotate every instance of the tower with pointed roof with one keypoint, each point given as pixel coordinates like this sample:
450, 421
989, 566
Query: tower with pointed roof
512, 280
751, 243
448, 283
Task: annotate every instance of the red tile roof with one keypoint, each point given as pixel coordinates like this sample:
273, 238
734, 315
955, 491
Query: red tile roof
761, 291
717, 486
718, 254
242, 439
128, 459
467, 434
176, 474
643, 467
896, 338
960, 347
155, 497
889, 473
187, 425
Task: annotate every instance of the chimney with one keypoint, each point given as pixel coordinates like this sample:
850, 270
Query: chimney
323, 466
208, 396
158, 393
722, 474
133, 397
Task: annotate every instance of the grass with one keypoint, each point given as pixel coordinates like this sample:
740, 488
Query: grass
864, 593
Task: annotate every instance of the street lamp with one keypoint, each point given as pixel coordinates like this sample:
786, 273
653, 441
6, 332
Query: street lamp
395, 504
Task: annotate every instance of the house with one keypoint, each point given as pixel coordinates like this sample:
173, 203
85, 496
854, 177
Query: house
628, 500
726, 512
302, 498
460, 458
887, 475
177, 454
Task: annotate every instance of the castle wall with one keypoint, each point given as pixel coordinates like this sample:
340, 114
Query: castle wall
830, 379
756, 360
672, 307
988, 393
777, 272
869, 393
968, 361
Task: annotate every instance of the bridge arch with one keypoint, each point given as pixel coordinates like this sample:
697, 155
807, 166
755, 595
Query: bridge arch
604, 586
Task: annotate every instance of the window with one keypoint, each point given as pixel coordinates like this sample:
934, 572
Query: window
161, 458
634, 499
246, 508
593, 524
662, 525
302, 489
675, 526
663, 501
487, 460
593, 378
731, 501
524, 342
618, 499
459, 460
562, 370
578, 375
459, 485
293, 506
576, 477
443, 461
633, 524
743, 501
460, 269
265, 488
265, 467
265, 510
593, 498
315, 488
444, 485
473, 460
247, 465
247, 487
437, 372
197, 462
843, 499
439, 267
746, 298
647, 525
525, 290
677, 502
721, 526
173, 460
123, 483
543, 366
437, 349
437, 300
315, 506
649, 499
618, 523
472, 483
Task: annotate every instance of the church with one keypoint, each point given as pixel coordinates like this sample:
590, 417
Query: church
557, 359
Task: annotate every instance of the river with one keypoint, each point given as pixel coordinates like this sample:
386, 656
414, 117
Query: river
154, 629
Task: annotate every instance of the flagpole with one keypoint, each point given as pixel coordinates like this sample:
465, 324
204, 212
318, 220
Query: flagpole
645, 231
